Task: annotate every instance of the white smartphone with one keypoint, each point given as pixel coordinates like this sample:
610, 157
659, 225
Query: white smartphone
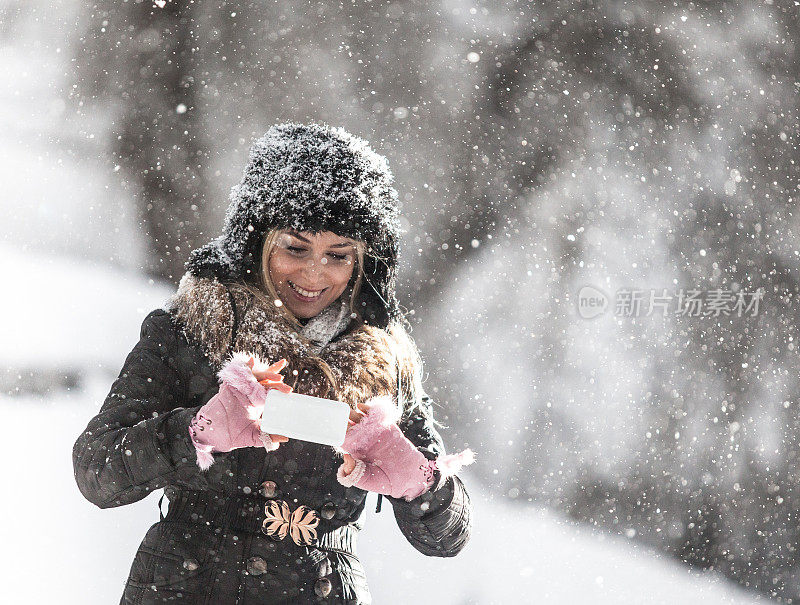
304, 417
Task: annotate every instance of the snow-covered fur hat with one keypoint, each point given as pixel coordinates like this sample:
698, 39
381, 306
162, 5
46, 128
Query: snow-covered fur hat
311, 177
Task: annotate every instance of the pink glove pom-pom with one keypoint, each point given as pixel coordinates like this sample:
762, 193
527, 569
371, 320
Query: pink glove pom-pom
387, 462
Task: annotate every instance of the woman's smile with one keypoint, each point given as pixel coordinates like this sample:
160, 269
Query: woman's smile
304, 294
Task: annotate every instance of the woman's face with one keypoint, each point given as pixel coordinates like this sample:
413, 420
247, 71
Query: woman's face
310, 271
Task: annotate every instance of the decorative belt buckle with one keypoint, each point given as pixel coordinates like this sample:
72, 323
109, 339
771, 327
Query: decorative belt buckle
299, 524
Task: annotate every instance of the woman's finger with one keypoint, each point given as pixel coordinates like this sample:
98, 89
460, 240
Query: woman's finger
262, 374
272, 376
349, 463
279, 438
267, 374
356, 415
279, 386
277, 366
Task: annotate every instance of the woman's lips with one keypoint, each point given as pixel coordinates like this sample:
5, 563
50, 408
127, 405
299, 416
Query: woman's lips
296, 291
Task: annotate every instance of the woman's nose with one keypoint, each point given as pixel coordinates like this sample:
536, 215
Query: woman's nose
314, 267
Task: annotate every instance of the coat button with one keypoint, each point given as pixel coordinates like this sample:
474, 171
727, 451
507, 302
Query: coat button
190, 564
328, 510
323, 587
256, 566
269, 489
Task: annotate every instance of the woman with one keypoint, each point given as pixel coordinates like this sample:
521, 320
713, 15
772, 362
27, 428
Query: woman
303, 276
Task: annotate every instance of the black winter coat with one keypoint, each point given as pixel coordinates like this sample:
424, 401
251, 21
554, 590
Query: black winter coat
209, 548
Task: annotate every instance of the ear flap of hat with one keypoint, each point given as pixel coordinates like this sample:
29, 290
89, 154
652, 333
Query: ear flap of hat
377, 302
211, 261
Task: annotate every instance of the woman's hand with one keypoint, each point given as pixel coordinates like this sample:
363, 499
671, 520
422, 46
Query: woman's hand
381, 459
271, 378
231, 418
355, 418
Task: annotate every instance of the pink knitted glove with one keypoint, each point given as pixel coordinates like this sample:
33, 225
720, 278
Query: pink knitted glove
230, 419
386, 461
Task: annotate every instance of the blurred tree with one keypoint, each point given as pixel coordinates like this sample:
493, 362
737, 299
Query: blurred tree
139, 60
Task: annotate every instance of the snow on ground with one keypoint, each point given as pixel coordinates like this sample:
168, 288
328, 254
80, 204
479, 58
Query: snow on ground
57, 547
67, 313
525, 554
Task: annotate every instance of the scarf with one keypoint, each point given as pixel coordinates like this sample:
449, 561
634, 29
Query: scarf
328, 357
326, 326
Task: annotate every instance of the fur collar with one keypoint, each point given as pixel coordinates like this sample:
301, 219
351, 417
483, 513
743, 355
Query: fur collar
362, 362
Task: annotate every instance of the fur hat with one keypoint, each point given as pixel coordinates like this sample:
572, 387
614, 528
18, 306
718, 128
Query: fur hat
311, 177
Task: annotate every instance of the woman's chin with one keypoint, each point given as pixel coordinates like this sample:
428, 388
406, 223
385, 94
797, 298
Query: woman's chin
305, 310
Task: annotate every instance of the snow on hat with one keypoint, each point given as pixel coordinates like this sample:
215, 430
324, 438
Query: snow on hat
311, 177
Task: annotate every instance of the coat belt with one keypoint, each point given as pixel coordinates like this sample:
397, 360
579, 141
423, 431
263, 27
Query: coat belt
247, 514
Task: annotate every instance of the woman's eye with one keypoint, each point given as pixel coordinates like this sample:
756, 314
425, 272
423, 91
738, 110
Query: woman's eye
295, 249
337, 257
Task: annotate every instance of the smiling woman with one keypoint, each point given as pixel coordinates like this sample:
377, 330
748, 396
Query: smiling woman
301, 285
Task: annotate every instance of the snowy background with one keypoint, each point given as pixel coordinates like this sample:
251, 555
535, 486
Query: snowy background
538, 147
